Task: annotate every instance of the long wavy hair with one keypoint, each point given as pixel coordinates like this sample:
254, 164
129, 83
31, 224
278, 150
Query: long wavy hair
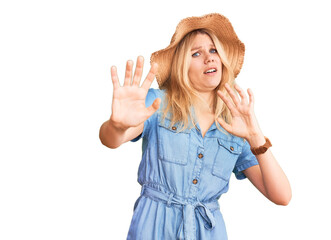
181, 95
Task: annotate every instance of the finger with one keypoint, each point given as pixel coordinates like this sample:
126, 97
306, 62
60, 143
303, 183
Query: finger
232, 94
150, 77
138, 72
251, 97
228, 103
241, 93
128, 73
114, 77
224, 125
154, 107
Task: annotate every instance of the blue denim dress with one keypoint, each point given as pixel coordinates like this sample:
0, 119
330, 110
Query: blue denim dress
183, 175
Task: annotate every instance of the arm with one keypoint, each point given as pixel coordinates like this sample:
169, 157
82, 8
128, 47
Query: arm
128, 106
112, 136
267, 177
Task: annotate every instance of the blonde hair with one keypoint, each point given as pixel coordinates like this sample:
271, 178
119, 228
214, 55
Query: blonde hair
180, 94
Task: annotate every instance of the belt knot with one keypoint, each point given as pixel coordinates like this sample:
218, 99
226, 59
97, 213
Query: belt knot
187, 227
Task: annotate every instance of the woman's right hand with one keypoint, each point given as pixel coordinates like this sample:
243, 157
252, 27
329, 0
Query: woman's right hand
128, 106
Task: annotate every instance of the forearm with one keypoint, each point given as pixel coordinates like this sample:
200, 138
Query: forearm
276, 184
111, 136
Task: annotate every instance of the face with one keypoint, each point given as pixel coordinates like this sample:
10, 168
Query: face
205, 70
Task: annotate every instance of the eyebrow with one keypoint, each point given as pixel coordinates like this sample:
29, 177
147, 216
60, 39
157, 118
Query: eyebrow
198, 47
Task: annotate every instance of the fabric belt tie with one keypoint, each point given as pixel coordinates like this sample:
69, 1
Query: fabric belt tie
187, 229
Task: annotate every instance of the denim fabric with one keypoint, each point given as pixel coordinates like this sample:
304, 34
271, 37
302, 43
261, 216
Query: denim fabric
183, 175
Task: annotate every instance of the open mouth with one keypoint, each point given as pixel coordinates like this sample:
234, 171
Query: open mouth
212, 70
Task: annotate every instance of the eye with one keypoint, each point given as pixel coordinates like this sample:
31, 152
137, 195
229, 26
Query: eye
213, 50
197, 54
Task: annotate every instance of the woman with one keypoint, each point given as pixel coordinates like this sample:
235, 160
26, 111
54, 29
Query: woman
196, 131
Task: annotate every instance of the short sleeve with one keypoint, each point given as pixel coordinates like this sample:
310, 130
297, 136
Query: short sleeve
151, 96
246, 159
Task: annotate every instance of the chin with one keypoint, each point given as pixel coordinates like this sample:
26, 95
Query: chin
214, 84
208, 88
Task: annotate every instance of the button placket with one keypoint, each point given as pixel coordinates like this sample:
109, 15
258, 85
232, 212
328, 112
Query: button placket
196, 172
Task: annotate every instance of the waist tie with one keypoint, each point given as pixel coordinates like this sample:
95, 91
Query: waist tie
187, 229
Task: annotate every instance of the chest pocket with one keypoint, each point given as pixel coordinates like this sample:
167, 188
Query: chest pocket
226, 158
173, 145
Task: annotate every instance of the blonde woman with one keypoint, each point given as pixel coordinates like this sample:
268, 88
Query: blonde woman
196, 131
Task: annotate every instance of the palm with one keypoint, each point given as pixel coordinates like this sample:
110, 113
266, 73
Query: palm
238, 126
244, 121
128, 106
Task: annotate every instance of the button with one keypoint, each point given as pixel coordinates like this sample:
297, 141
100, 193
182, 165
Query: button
231, 148
174, 128
200, 155
195, 181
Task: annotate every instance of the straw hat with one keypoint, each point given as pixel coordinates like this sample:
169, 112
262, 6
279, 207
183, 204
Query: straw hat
217, 24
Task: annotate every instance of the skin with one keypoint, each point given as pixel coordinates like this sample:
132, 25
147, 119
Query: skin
129, 113
204, 56
268, 177
128, 106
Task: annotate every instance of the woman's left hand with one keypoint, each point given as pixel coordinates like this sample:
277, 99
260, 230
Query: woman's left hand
244, 123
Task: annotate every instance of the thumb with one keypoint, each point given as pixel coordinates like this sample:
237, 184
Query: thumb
225, 125
155, 106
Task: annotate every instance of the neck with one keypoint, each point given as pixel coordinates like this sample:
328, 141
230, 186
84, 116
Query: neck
205, 106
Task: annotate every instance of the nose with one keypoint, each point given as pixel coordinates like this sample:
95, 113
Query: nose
209, 58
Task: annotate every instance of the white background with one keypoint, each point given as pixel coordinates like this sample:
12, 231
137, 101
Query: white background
57, 181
